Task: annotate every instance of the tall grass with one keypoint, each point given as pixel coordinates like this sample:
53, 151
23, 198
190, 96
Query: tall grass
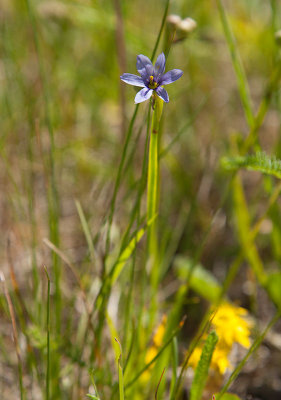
124, 232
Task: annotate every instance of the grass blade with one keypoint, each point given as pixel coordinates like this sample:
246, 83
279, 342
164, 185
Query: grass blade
15, 334
238, 66
48, 337
86, 229
201, 372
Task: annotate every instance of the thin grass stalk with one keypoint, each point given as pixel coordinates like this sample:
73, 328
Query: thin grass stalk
86, 229
175, 364
23, 315
182, 130
263, 108
76, 277
53, 199
253, 122
9, 54
161, 30
141, 183
137, 210
118, 180
121, 58
148, 365
238, 66
15, 335
235, 265
101, 300
120, 373
274, 24
251, 350
158, 384
48, 337
204, 326
131, 347
274, 14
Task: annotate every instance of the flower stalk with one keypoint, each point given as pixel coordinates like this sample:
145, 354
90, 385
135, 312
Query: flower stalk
152, 191
152, 79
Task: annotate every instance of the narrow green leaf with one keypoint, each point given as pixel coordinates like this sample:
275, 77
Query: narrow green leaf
202, 281
113, 335
229, 396
126, 253
48, 336
273, 287
237, 65
118, 355
96, 395
86, 228
120, 373
201, 372
175, 364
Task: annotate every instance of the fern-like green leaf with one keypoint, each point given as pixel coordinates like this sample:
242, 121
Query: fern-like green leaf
201, 372
256, 162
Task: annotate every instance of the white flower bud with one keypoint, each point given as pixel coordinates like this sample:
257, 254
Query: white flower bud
187, 25
174, 19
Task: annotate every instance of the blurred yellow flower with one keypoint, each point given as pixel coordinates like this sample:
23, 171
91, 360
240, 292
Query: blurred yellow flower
157, 340
232, 326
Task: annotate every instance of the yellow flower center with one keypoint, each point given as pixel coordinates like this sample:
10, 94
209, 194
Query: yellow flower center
152, 84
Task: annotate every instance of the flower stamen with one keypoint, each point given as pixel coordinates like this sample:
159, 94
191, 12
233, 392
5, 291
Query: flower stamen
152, 84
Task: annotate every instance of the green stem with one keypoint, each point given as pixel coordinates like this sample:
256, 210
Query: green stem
128, 137
48, 337
152, 193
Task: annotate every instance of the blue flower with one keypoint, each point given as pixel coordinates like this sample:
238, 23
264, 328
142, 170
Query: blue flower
152, 78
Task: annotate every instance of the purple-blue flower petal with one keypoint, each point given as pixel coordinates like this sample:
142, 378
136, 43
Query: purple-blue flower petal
162, 93
147, 72
160, 65
142, 62
143, 95
170, 76
132, 79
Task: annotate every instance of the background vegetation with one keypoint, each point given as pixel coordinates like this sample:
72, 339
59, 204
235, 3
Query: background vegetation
75, 267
